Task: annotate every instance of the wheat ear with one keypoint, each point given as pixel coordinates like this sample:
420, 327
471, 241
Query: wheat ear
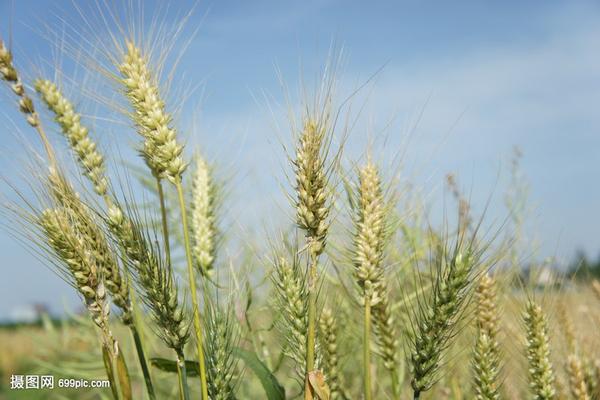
203, 216
577, 383
486, 357
541, 374
221, 339
289, 282
90, 160
9, 74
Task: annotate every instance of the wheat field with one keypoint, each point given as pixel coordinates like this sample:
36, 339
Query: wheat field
356, 295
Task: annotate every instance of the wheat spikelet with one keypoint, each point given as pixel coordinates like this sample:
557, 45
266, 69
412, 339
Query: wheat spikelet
203, 218
161, 151
328, 339
486, 363
577, 383
541, 375
10, 75
221, 339
69, 120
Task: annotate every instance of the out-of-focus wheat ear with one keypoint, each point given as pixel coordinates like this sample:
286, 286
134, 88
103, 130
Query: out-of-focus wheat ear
596, 288
90, 160
203, 216
221, 339
289, 282
593, 378
577, 383
486, 357
328, 338
9, 74
541, 374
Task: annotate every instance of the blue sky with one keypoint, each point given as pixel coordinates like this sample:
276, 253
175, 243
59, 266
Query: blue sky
486, 76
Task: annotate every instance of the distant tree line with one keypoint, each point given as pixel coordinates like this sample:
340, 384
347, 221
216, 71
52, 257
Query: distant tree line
583, 267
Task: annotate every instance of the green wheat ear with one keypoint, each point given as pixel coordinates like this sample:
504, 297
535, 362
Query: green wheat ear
221, 337
289, 282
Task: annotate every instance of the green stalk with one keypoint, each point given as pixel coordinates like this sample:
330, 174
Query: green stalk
184, 391
110, 371
143, 363
311, 330
192, 283
395, 383
165, 222
366, 347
